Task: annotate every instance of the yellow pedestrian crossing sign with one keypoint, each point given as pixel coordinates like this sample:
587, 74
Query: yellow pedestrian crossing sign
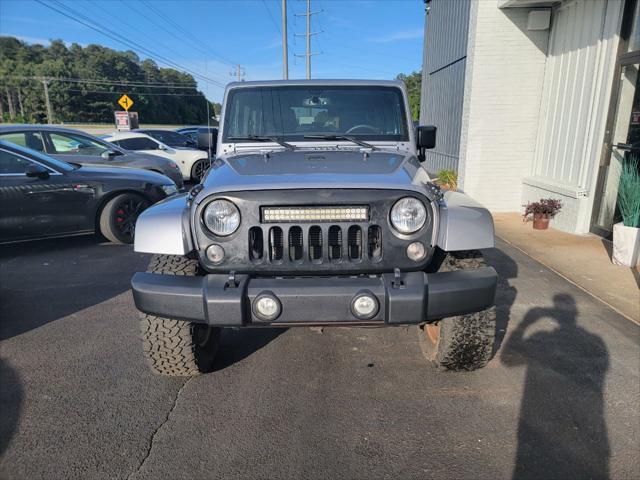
125, 102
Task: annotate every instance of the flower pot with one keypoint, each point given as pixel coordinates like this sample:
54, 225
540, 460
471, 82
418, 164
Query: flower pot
540, 221
626, 245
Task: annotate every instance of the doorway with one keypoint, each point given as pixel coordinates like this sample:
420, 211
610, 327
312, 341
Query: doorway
622, 138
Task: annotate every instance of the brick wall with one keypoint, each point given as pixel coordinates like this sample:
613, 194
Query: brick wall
503, 87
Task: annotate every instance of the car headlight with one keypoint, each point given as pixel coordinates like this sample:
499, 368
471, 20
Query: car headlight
170, 189
408, 215
221, 217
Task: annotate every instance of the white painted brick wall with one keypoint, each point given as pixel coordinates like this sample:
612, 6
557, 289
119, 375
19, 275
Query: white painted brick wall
505, 71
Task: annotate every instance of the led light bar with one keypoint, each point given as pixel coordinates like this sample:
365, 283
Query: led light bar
355, 213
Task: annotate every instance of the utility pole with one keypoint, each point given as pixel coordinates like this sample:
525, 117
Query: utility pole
238, 73
45, 85
309, 34
285, 48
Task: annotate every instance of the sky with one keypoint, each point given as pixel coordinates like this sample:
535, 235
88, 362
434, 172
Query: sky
374, 39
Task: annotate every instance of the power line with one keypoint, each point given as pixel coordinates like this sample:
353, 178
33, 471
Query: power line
135, 93
72, 14
185, 34
109, 82
273, 20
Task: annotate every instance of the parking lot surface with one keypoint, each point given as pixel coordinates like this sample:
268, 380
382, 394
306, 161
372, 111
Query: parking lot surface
559, 400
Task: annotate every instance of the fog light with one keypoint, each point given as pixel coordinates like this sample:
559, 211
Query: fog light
266, 307
215, 254
416, 251
364, 305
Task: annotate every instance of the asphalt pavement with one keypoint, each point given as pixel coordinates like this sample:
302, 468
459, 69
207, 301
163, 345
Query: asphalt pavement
560, 399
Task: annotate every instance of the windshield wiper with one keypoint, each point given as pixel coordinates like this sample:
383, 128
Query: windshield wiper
343, 137
261, 138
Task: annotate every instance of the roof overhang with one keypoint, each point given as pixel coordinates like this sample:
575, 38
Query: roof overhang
527, 3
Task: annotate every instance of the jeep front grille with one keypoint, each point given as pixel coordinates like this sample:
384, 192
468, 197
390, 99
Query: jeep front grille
316, 244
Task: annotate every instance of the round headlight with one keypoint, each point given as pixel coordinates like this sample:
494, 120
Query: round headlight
222, 217
408, 215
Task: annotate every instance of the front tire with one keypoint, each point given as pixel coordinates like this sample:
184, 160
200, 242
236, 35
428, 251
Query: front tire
175, 347
464, 342
199, 169
118, 217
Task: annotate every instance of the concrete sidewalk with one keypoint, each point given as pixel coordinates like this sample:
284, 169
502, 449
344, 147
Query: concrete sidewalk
584, 260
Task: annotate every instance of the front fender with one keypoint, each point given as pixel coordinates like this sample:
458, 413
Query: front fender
164, 228
464, 224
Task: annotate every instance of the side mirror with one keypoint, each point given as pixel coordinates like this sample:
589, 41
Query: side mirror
109, 154
36, 171
426, 137
207, 139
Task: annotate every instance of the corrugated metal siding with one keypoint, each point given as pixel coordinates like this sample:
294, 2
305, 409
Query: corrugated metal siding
569, 88
443, 78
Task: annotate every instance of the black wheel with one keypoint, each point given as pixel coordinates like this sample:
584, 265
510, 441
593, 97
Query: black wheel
199, 169
119, 215
464, 342
174, 347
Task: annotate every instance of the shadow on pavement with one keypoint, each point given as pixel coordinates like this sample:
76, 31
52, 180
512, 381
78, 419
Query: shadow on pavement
10, 403
237, 345
507, 269
43, 281
562, 431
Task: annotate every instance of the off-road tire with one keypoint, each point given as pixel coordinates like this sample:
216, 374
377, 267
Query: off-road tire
175, 347
107, 221
464, 342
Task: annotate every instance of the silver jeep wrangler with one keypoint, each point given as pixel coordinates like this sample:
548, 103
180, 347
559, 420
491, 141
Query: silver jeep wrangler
316, 212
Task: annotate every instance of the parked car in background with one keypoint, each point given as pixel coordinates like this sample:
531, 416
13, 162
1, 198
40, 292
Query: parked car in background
80, 147
169, 137
192, 162
196, 135
41, 196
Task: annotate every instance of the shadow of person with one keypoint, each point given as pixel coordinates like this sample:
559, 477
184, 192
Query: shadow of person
562, 432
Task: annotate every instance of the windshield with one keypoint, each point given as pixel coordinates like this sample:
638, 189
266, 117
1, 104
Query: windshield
59, 165
291, 112
173, 139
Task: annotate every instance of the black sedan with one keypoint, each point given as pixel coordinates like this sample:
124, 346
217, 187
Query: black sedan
44, 197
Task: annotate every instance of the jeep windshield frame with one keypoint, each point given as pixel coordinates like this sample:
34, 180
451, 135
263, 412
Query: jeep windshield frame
298, 113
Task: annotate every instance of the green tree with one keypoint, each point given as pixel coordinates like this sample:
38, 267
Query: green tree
413, 82
22, 66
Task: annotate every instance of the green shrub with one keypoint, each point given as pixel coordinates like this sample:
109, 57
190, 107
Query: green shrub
629, 192
448, 179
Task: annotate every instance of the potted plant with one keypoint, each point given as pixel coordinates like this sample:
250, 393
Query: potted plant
447, 179
626, 234
541, 212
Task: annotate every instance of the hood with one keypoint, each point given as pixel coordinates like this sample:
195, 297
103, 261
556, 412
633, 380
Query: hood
301, 169
98, 171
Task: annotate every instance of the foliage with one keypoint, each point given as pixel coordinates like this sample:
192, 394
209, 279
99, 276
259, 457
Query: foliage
547, 207
629, 192
22, 94
448, 179
413, 82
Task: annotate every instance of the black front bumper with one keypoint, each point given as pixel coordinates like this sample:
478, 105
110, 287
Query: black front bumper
408, 298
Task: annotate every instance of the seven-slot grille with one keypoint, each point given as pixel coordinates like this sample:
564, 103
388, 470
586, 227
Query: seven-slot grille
315, 243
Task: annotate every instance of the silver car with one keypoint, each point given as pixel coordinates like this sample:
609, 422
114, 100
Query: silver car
75, 146
317, 212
